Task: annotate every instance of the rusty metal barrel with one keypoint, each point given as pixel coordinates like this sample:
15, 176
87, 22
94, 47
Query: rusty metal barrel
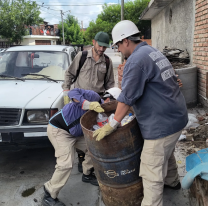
116, 160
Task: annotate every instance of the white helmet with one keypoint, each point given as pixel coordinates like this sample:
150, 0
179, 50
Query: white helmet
122, 30
115, 92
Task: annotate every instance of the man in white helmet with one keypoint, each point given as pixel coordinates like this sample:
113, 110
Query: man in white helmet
149, 85
111, 94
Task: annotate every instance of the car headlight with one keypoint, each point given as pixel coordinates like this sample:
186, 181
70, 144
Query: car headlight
37, 116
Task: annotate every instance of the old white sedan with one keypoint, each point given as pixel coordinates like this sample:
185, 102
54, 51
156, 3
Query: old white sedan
31, 92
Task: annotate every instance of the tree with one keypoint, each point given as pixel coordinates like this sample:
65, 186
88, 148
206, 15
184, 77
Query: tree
111, 15
72, 31
16, 17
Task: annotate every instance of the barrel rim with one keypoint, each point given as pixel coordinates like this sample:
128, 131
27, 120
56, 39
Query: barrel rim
103, 106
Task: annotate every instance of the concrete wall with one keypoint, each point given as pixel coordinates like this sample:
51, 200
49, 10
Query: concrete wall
28, 42
177, 31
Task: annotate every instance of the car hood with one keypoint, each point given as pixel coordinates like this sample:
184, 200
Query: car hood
31, 94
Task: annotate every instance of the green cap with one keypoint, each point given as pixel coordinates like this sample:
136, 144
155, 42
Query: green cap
102, 38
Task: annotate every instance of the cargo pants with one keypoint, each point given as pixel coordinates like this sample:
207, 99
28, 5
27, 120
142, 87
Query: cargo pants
64, 145
158, 167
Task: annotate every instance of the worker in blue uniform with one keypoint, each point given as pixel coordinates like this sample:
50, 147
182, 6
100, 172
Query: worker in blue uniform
150, 85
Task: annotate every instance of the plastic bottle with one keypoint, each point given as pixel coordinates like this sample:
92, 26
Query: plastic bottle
131, 116
123, 121
95, 127
129, 119
102, 119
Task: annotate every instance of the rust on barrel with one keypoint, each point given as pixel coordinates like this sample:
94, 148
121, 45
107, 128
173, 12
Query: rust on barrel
128, 196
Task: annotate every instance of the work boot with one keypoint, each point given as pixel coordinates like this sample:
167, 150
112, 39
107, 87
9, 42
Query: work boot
49, 201
81, 158
177, 187
91, 178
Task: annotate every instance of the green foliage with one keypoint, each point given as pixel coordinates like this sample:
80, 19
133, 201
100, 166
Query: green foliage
72, 32
111, 15
15, 17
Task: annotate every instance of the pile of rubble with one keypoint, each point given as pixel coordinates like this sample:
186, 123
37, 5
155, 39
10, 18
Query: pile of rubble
178, 58
197, 137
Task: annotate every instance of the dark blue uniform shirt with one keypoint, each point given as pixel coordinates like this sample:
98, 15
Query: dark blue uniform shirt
149, 85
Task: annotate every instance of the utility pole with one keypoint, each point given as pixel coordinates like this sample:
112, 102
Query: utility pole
122, 10
82, 25
62, 27
122, 18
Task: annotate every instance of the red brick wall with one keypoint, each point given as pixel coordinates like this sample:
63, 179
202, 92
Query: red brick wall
149, 41
200, 47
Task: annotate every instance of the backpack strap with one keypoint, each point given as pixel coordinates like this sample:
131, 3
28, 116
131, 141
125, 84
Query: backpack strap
74, 123
81, 63
107, 66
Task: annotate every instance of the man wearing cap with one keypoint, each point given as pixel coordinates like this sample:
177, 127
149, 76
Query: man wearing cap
90, 70
97, 71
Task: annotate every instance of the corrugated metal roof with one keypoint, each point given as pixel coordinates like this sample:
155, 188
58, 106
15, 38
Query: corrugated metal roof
39, 48
154, 8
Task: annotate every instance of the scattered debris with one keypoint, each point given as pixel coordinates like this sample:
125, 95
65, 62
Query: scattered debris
35, 200
22, 172
200, 118
179, 161
178, 58
182, 137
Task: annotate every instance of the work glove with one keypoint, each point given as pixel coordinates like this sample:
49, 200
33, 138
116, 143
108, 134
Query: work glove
66, 97
106, 130
92, 106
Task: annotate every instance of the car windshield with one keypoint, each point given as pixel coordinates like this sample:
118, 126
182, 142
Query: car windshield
22, 63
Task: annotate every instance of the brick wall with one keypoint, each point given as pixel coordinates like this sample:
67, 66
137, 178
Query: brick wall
149, 41
200, 46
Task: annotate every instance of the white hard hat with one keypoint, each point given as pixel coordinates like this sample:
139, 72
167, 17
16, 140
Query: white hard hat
115, 92
122, 30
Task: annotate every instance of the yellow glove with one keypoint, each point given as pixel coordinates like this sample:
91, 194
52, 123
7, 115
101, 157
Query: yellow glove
106, 130
103, 131
96, 107
66, 98
92, 106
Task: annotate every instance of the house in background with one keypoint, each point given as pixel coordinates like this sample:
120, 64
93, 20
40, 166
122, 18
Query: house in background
172, 23
182, 24
43, 34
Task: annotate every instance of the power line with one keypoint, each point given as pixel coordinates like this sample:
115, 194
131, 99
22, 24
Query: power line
75, 5
49, 13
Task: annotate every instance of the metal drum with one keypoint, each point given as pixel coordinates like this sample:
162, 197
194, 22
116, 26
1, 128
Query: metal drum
116, 160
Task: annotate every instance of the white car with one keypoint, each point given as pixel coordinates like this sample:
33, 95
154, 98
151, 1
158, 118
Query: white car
31, 92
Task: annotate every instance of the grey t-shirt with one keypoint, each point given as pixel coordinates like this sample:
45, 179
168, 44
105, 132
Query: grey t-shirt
149, 85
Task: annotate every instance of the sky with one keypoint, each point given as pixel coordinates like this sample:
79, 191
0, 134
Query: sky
50, 9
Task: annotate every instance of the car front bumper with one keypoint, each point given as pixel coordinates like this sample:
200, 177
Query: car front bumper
24, 138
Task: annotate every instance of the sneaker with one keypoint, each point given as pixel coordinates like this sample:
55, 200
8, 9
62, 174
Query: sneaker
49, 201
91, 178
177, 187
